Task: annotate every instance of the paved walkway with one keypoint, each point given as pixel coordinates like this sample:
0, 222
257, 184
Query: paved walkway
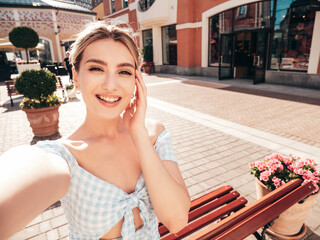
217, 127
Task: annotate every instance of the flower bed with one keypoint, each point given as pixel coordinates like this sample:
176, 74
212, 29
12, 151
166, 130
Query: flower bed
278, 169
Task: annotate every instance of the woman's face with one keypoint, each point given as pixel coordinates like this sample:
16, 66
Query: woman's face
106, 78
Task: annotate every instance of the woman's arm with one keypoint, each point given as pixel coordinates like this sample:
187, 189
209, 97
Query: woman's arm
30, 181
166, 187
168, 193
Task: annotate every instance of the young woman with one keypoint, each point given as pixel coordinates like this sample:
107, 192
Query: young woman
116, 174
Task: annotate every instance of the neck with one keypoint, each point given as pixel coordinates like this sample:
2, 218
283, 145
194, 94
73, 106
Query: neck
95, 127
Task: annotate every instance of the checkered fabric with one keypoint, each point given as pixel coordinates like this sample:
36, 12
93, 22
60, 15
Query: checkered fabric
93, 206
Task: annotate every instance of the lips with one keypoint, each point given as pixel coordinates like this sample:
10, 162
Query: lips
109, 99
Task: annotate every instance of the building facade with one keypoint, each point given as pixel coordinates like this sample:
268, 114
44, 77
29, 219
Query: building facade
272, 41
56, 22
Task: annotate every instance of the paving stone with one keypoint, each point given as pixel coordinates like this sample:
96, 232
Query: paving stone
27, 233
53, 235
45, 226
209, 158
58, 221
63, 231
39, 237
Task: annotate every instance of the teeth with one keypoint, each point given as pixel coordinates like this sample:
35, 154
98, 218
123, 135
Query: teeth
109, 99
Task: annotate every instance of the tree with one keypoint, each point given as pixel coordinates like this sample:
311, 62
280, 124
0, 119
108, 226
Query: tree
24, 37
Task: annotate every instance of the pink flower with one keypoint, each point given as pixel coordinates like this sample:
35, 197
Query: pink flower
261, 165
251, 165
276, 181
287, 161
277, 156
274, 164
264, 176
298, 171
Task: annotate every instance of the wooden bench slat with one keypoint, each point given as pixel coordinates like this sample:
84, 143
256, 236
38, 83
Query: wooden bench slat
232, 229
207, 219
213, 205
205, 208
209, 196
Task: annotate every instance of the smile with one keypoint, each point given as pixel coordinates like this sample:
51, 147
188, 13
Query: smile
109, 99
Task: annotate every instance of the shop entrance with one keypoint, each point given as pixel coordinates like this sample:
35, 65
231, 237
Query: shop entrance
244, 55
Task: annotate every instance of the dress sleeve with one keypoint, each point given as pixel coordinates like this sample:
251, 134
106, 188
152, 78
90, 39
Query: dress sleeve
59, 149
164, 148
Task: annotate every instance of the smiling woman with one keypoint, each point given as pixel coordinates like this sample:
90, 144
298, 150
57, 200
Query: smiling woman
116, 174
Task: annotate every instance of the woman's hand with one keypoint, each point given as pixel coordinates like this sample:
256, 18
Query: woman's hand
135, 113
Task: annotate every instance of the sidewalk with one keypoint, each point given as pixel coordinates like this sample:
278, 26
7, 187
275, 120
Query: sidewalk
217, 128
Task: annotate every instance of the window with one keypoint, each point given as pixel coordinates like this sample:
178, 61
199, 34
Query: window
292, 36
242, 11
112, 6
147, 45
214, 41
125, 3
145, 4
42, 53
169, 45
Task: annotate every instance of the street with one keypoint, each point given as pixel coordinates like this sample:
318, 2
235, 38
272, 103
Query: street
217, 128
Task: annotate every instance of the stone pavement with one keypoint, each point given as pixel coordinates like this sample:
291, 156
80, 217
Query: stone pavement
217, 128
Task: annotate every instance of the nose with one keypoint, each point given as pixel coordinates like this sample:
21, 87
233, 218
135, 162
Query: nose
110, 82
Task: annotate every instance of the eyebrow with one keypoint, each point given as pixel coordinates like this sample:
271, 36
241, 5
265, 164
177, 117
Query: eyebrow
99, 61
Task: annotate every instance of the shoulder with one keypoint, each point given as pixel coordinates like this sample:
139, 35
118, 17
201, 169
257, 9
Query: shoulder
155, 128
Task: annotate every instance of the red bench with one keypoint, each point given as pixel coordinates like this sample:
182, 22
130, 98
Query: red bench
237, 221
11, 90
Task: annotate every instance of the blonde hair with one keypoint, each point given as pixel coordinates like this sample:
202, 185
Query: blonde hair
101, 30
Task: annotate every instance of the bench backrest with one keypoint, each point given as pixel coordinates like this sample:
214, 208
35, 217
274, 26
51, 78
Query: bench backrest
10, 88
207, 209
250, 218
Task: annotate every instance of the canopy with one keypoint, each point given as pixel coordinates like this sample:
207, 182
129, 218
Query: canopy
9, 46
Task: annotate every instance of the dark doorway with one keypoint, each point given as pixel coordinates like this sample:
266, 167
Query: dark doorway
250, 55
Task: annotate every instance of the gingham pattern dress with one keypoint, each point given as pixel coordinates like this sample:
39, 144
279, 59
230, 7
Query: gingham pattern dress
93, 206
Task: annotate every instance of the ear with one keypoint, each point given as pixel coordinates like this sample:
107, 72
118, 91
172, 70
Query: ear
75, 78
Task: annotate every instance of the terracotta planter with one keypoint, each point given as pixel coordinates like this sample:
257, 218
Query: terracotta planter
290, 224
72, 93
147, 69
43, 121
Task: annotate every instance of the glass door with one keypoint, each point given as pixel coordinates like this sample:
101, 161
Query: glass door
226, 56
260, 57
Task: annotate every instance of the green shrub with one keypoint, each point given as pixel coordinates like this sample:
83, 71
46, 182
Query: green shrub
36, 83
24, 37
147, 53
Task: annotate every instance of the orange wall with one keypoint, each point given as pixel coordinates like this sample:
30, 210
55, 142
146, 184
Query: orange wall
189, 47
99, 9
118, 5
106, 5
189, 39
191, 10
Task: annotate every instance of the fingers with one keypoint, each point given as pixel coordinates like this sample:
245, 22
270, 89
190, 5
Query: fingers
141, 87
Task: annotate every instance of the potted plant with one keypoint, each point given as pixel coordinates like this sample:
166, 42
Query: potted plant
277, 170
71, 91
40, 103
24, 37
148, 64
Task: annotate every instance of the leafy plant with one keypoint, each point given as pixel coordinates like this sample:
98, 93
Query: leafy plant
38, 87
147, 53
69, 86
24, 37
277, 170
